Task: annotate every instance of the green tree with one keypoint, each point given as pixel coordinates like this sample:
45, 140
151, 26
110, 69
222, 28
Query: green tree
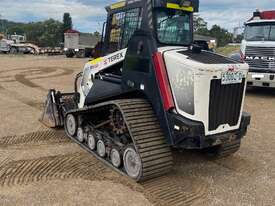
52, 35
18, 29
239, 38
97, 35
67, 22
199, 24
222, 35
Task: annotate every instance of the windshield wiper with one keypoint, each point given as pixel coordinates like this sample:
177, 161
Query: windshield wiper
169, 17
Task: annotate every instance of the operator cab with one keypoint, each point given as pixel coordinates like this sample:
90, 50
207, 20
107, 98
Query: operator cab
260, 31
170, 21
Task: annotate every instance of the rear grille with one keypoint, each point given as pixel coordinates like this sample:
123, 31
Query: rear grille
225, 104
260, 52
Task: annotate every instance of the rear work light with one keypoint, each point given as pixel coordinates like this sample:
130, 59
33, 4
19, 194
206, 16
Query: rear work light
242, 57
268, 14
163, 81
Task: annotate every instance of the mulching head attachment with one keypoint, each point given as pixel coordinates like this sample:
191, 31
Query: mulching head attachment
52, 115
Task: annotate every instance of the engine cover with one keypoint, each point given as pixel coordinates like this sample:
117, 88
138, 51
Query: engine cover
206, 87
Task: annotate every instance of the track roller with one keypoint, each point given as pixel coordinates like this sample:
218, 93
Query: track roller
115, 157
101, 148
91, 142
80, 135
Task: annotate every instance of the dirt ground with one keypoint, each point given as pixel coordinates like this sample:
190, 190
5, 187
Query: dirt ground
39, 166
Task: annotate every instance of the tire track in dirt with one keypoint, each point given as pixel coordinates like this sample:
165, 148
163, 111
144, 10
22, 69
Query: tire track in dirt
18, 97
173, 189
48, 136
176, 189
71, 166
25, 76
238, 165
25, 80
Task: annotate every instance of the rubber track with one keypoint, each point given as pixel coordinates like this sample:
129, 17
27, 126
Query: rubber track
229, 149
146, 133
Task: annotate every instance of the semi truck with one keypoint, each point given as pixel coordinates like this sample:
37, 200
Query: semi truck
15, 44
79, 44
258, 49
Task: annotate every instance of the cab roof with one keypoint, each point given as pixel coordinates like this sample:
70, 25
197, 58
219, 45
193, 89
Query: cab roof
260, 21
187, 5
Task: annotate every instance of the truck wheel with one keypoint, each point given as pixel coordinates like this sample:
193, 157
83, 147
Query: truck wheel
88, 53
80, 54
224, 150
69, 54
13, 50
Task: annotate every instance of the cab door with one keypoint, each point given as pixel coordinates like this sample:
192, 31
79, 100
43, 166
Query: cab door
121, 26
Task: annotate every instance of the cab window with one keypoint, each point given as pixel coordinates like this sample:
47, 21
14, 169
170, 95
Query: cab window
123, 26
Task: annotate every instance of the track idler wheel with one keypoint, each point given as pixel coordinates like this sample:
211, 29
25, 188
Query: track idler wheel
132, 162
71, 125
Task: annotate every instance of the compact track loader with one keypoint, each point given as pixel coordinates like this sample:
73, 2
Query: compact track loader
152, 90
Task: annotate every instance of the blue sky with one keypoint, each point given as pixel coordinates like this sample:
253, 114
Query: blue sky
89, 15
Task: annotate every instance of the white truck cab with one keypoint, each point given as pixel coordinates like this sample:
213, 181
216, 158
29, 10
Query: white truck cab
258, 49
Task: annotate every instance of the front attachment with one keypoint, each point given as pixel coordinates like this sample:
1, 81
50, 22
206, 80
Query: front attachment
52, 115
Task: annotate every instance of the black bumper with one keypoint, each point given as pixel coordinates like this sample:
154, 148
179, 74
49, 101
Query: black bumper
189, 134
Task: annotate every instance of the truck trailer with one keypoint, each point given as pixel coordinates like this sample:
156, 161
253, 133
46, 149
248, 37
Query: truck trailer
15, 44
79, 44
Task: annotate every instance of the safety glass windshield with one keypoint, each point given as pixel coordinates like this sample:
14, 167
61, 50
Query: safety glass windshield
260, 32
173, 27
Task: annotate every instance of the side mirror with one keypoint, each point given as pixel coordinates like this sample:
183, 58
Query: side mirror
237, 57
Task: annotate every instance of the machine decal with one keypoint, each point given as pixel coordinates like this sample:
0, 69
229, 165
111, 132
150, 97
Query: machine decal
115, 57
118, 5
97, 60
260, 58
177, 6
